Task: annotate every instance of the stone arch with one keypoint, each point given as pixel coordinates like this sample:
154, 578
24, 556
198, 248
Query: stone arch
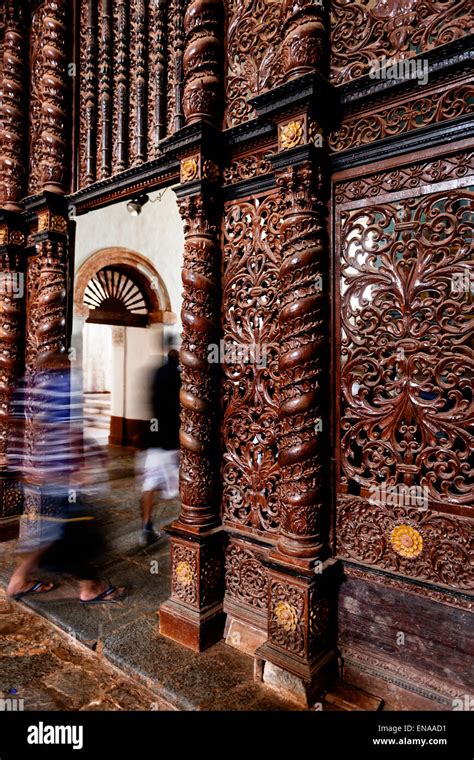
144, 271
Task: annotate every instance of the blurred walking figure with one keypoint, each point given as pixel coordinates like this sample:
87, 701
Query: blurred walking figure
58, 468
161, 460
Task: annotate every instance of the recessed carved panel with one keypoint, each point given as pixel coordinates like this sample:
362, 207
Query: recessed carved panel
366, 30
442, 545
405, 345
246, 578
254, 63
250, 320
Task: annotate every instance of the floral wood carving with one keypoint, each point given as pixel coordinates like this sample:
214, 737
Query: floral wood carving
250, 308
407, 113
246, 578
365, 30
254, 62
408, 177
364, 534
249, 166
406, 389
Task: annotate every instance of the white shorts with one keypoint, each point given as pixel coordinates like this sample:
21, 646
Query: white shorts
160, 472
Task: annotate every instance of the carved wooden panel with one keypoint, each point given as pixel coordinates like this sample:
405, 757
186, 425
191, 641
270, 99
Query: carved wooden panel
251, 252
365, 30
130, 84
254, 62
406, 369
398, 115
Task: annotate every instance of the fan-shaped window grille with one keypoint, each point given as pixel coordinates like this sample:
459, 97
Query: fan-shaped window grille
116, 297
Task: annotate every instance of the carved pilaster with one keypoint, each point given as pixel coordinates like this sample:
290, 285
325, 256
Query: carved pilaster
12, 305
105, 88
55, 89
302, 48
193, 615
121, 79
203, 61
158, 71
138, 98
89, 86
13, 161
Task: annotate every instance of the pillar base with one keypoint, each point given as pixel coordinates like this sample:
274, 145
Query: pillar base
191, 628
193, 615
303, 682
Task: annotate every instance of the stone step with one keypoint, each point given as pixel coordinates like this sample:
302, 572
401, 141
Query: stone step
345, 698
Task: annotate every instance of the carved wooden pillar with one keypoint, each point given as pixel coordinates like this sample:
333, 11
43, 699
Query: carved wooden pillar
88, 76
203, 61
13, 160
193, 615
49, 299
300, 614
55, 88
12, 303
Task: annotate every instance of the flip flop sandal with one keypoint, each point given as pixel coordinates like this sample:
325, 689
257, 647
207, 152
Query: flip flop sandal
35, 590
103, 597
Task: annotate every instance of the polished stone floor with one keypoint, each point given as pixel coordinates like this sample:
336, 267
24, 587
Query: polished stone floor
126, 634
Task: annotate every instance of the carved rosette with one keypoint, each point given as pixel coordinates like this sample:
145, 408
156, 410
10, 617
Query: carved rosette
203, 61
303, 33
13, 164
197, 574
54, 94
199, 393
301, 363
298, 618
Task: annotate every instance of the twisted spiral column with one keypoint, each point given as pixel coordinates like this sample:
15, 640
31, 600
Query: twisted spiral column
54, 96
199, 393
13, 161
302, 325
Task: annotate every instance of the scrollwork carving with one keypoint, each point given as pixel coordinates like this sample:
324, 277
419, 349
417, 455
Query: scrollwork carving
404, 349
362, 32
250, 307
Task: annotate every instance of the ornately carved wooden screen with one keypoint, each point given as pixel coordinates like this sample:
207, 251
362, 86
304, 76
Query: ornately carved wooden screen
131, 64
250, 474
404, 366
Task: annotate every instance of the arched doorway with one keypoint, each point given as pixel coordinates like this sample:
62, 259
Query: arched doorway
121, 314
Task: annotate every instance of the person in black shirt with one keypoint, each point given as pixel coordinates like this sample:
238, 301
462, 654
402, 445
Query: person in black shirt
161, 463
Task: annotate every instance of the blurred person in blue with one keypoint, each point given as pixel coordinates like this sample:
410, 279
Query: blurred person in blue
60, 530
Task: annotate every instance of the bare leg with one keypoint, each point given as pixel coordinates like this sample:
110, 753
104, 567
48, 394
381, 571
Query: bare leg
21, 578
147, 506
